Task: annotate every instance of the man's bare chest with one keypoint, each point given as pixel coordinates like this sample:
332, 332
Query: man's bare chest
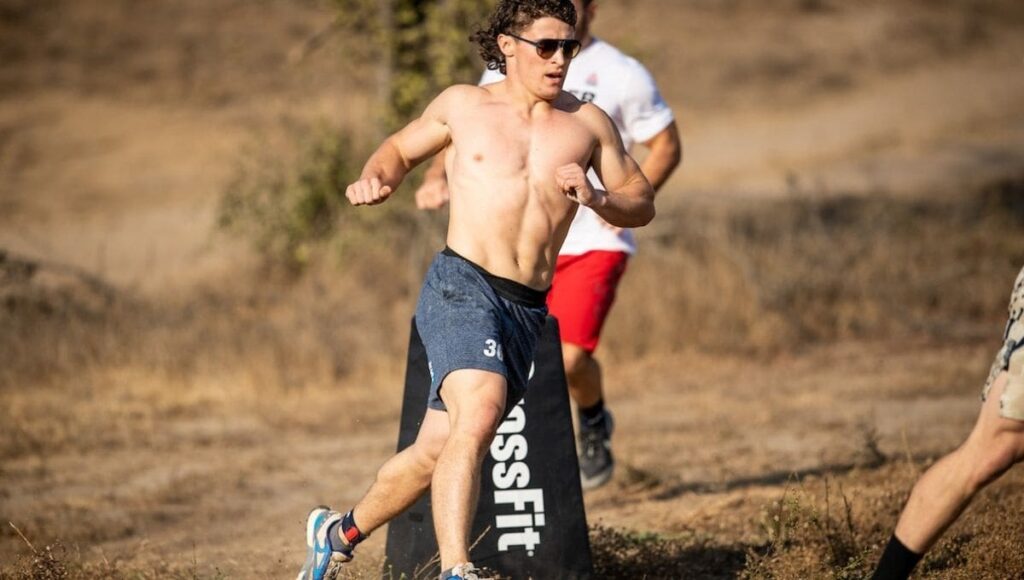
511, 145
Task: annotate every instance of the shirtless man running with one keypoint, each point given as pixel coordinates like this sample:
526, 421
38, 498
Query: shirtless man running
593, 258
516, 155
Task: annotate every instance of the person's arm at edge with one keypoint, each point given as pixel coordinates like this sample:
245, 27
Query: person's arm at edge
648, 119
433, 192
392, 161
665, 155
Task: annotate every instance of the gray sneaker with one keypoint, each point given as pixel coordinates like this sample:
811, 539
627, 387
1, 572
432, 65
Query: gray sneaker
596, 461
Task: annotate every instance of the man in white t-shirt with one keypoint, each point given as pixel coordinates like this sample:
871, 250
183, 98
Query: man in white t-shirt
594, 255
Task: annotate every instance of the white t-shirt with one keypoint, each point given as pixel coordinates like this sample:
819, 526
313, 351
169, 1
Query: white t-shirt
623, 89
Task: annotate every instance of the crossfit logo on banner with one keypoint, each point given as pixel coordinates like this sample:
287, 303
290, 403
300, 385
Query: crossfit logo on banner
511, 476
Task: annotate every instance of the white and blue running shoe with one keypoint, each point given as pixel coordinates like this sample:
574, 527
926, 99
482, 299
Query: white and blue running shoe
323, 561
468, 571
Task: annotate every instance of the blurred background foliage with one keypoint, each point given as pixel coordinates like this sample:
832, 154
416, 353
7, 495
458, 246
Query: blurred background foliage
418, 48
290, 208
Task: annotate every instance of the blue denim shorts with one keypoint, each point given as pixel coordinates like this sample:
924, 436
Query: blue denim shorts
470, 319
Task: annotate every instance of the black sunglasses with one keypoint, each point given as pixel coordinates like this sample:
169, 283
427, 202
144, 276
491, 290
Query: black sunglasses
546, 47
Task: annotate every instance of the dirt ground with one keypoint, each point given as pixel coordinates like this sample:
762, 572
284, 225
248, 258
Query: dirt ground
121, 122
706, 444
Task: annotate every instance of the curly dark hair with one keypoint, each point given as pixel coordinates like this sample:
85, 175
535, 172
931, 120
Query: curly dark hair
514, 16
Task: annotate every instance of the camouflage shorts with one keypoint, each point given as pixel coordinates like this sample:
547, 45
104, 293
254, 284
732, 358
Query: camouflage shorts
1011, 358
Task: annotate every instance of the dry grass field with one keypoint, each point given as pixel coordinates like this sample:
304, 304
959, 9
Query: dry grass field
806, 328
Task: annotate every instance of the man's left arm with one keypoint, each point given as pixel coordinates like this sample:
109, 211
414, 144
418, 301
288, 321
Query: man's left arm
628, 201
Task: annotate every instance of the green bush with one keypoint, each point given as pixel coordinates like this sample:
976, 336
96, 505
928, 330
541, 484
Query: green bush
284, 206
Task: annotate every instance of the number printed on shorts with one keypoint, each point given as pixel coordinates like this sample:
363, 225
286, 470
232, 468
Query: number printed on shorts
493, 349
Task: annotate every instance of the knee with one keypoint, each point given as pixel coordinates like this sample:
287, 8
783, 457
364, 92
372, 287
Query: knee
1001, 453
575, 359
478, 424
425, 453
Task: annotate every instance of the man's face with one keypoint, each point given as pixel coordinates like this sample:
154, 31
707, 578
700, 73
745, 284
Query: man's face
542, 76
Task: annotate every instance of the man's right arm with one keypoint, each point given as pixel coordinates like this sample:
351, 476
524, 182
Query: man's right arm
392, 161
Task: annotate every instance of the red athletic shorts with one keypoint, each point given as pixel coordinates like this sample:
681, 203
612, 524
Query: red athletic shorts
582, 293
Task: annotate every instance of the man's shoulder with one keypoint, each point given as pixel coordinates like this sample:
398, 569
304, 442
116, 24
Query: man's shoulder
608, 55
463, 91
634, 82
456, 98
570, 103
588, 113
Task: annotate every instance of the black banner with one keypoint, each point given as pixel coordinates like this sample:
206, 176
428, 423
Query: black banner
530, 522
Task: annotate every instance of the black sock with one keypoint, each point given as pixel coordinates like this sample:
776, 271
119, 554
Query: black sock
592, 415
344, 534
897, 561
334, 538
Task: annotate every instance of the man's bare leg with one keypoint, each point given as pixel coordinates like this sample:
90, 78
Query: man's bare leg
583, 373
942, 493
405, 477
476, 401
331, 536
947, 488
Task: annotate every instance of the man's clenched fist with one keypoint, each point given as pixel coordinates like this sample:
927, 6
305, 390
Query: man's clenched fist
367, 192
573, 182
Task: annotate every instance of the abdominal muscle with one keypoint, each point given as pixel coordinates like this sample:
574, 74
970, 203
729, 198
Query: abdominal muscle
507, 225
506, 214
